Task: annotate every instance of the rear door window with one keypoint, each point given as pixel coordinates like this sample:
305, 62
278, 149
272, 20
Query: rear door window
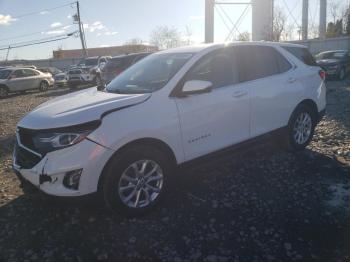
18, 73
302, 54
29, 72
256, 62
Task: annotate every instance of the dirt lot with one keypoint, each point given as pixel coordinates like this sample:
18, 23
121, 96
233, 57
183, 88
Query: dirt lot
265, 205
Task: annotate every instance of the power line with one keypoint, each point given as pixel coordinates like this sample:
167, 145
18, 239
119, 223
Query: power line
34, 33
239, 21
37, 40
36, 43
42, 10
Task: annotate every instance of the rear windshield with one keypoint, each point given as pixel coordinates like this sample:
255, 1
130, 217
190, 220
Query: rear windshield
302, 54
88, 62
4, 74
76, 71
331, 55
114, 63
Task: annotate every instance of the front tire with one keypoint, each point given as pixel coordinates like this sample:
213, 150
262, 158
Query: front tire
301, 128
72, 86
44, 86
136, 180
3, 92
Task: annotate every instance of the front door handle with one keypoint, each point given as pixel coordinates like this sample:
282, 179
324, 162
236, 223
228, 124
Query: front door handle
238, 94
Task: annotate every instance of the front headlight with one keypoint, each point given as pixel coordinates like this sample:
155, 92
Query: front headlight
47, 142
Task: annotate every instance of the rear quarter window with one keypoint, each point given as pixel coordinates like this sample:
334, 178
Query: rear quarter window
257, 62
302, 54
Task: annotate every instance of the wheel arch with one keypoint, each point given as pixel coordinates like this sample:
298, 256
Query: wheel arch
309, 103
152, 142
5, 86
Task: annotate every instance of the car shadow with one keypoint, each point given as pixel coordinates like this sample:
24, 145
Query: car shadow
338, 97
248, 205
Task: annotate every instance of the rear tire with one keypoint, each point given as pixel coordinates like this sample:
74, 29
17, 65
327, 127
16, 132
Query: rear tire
301, 128
44, 86
3, 92
341, 75
136, 180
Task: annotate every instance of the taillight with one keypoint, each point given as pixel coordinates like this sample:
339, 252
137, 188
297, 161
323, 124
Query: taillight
322, 74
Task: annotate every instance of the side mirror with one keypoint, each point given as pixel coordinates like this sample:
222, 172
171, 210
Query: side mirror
197, 87
101, 87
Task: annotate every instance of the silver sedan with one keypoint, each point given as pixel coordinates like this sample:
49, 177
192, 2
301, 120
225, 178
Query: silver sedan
15, 79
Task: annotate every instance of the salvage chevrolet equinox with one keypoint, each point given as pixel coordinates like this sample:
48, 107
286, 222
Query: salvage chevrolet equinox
169, 108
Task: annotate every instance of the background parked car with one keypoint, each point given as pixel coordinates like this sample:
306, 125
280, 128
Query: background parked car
52, 70
335, 63
118, 64
85, 71
16, 79
60, 79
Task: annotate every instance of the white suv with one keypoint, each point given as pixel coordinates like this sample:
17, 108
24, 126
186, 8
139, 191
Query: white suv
172, 107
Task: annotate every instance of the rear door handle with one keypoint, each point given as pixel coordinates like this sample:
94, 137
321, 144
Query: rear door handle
239, 93
291, 80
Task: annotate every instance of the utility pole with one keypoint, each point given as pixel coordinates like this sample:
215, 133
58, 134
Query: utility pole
323, 19
7, 54
305, 20
81, 31
209, 21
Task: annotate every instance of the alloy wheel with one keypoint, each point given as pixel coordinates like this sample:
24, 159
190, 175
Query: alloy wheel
302, 128
43, 86
141, 183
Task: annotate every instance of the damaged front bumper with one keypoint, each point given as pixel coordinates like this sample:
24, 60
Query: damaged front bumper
50, 173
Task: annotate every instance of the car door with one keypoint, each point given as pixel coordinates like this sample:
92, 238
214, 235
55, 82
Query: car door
347, 62
275, 88
220, 118
17, 81
33, 79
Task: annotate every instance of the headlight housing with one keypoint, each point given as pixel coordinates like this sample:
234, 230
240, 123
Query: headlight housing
46, 141
52, 141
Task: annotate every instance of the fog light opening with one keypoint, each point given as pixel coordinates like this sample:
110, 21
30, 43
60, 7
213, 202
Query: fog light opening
72, 178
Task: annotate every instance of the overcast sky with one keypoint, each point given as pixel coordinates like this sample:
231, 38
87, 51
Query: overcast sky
113, 22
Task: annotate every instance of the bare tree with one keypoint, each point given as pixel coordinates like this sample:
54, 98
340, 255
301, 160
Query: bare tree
288, 32
313, 31
165, 37
244, 36
279, 23
334, 10
188, 35
134, 41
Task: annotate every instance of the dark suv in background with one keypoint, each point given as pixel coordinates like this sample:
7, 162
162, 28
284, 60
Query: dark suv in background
118, 64
335, 63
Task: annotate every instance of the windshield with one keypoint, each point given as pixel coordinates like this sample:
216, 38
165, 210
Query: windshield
88, 62
4, 74
331, 55
150, 74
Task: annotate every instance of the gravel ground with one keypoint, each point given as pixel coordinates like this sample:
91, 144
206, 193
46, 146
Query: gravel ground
263, 205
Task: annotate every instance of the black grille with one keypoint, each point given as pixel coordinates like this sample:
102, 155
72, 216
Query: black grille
24, 158
26, 138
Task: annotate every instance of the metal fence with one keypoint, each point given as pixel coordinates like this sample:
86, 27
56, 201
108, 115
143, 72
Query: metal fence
58, 63
315, 46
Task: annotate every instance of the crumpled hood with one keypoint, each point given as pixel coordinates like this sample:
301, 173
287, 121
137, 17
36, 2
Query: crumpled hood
325, 62
78, 108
